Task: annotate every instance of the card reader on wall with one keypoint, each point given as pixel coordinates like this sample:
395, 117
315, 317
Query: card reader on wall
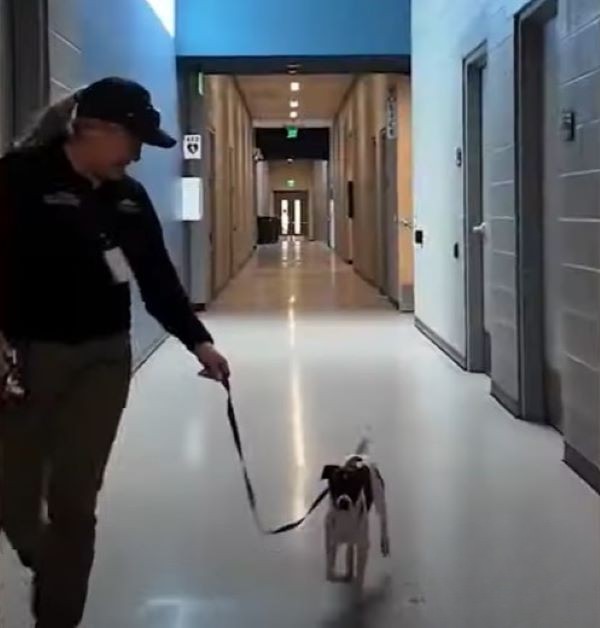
419, 237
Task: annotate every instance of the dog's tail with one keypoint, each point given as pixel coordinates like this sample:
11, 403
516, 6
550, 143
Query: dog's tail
365, 444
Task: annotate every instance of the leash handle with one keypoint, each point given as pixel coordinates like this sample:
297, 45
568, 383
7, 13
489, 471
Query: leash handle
250, 492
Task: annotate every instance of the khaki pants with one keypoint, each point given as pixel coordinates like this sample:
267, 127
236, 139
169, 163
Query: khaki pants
55, 447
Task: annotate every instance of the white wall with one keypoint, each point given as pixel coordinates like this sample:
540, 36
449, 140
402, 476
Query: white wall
437, 121
444, 32
438, 181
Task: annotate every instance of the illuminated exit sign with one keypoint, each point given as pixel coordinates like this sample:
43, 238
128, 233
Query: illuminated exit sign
292, 132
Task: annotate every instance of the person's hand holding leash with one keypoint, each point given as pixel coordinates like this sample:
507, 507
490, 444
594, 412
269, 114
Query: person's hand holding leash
215, 365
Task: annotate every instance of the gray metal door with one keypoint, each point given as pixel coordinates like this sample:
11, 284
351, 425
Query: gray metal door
551, 230
486, 221
478, 250
382, 215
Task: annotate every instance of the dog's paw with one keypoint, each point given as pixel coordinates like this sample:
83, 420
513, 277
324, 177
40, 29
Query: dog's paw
358, 590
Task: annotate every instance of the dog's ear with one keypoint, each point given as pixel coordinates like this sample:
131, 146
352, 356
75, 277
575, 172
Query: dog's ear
328, 471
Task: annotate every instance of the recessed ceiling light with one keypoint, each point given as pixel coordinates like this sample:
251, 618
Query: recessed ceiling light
295, 86
294, 104
293, 114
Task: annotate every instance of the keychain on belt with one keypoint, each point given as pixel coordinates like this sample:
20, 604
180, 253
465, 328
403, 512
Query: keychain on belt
12, 389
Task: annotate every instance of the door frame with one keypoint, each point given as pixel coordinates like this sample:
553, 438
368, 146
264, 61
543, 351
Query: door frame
7, 75
382, 212
231, 210
211, 192
350, 190
474, 193
391, 222
30, 47
24, 53
530, 24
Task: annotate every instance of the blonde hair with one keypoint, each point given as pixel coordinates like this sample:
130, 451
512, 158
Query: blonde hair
53, 124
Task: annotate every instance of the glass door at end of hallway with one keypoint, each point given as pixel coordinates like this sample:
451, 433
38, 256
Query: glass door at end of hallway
292, 210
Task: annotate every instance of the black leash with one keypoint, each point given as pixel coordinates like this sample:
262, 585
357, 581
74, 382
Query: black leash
249, 487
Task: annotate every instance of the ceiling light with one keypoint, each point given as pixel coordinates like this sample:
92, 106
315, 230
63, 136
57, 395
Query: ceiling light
293, 114
295, 86
294, 104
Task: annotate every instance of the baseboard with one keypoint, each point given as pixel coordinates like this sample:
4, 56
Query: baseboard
407, 299
393, 301
583, 467
505, 400
448, 349
406, 302
368, 280
150, 351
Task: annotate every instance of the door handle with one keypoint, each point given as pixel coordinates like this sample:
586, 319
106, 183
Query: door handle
480, 229
406, 223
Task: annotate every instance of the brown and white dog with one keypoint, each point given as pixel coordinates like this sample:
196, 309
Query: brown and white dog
354, 488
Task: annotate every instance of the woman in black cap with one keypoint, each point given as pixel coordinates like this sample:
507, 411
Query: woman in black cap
74, 230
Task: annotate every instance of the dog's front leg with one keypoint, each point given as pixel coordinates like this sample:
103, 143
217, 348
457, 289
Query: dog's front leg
350, 562
330, 551
362, 558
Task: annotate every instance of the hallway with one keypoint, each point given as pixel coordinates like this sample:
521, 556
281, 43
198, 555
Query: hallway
489, 529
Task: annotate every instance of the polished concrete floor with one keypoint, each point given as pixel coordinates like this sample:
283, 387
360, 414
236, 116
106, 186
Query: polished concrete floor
489, 529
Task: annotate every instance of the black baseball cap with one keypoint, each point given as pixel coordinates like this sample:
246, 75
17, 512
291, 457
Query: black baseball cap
126, 103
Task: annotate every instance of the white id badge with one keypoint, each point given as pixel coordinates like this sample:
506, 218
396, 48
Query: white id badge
118, 264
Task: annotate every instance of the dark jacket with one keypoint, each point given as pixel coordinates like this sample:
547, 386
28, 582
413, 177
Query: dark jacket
55, 227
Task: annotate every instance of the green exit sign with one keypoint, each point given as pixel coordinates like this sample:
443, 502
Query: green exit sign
291, 183
292, 132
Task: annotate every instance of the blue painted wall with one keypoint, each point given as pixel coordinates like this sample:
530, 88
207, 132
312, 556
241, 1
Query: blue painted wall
125, 38
285, 28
